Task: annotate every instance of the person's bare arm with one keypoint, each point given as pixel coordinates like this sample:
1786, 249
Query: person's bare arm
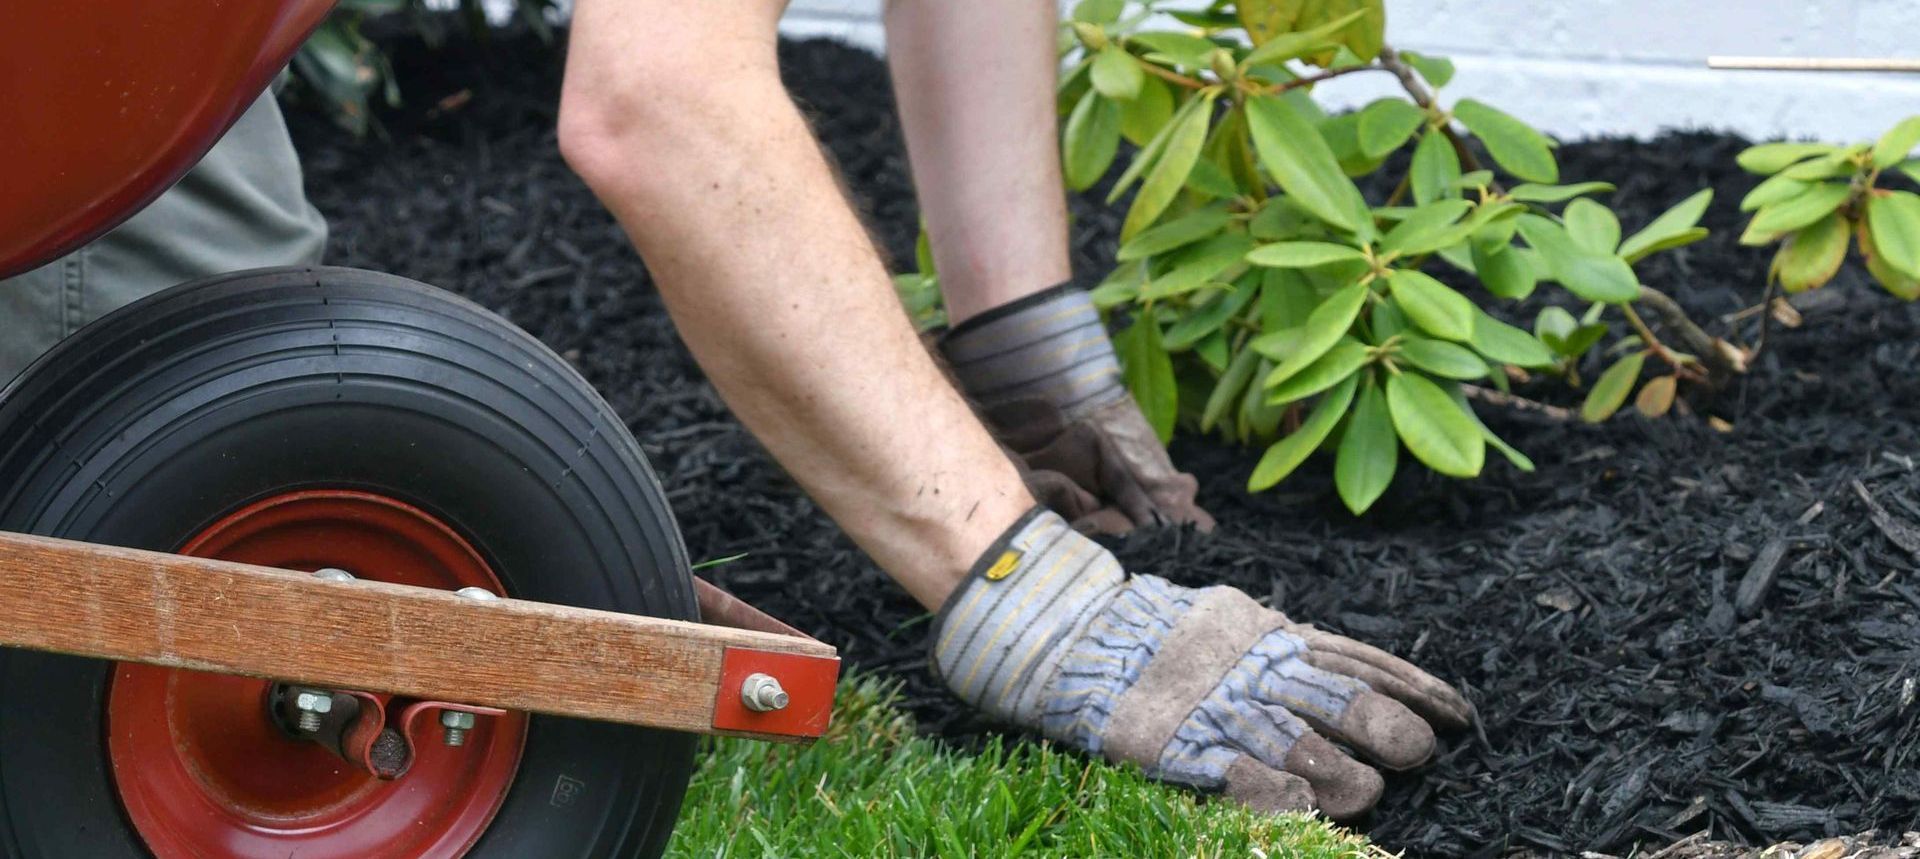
975, 84
675, 115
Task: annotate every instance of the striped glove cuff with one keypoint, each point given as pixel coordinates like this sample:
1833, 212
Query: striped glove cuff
1001, 636
1050, 345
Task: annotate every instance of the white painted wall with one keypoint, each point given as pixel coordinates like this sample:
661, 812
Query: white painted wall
1577, 68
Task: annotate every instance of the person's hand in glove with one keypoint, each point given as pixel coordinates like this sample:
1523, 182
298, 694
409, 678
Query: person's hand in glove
1044, 376
1200, 687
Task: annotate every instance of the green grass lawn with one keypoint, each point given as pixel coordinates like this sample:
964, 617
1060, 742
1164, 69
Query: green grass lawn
873, 788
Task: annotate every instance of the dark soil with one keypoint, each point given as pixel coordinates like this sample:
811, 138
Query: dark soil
1591, 610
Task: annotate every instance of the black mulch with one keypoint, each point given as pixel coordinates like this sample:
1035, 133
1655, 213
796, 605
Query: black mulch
1592, 610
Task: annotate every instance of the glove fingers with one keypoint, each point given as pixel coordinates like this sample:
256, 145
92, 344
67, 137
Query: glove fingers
1265, 789
1137, 473
1343, 788
1105, 520
1345, 709
1060, 494
1428, 695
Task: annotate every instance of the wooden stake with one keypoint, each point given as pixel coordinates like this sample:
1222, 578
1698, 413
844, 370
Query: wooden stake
1816, 64
206, 615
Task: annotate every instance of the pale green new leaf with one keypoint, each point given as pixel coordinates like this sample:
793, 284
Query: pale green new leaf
1435, 428
1831, 166
1303, 254
1610, 391
1324, 327
1196, 324
1369, 452
1437, 70
1386, 124
1150, 154
1098, 11
1286, 454
1505, 344
1435, 170
1770, 158
1427, 228
1593, 226
1531, 193
1514, 145
1553, 325
1175, 234
1148, 372
1343, 360
1678, 222
1183, 49
1897, 143
1512, 454
1503, 270
1290, 46
1775, 220
1900, 284
1170, 172
1227, 390
1143, 117
1812, 257
1116, 74
1595, 277
1563, 334
1895, 223
1443, 359
1197, 266
1294, 152
1433, 305
1092, 138
1774, 190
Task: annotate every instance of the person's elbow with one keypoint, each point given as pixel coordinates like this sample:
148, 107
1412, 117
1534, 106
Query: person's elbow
598, 129
610, 121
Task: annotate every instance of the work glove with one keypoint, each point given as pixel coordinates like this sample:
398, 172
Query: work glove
1200, 687
1044, 377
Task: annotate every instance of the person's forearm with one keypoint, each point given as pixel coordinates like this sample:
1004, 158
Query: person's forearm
975, 81
775, 286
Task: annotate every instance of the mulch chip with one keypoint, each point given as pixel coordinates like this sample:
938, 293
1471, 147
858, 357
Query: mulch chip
1667, 629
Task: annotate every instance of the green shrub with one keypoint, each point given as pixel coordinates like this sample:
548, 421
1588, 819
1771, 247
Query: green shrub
1818, 198
346, 71
1273, 303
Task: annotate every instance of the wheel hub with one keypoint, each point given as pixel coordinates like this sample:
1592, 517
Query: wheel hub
205, 768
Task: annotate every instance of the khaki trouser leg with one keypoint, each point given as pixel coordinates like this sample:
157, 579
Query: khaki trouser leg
241, 207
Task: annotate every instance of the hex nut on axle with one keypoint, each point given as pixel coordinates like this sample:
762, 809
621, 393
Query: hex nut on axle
454, 726
762, 694
312, 705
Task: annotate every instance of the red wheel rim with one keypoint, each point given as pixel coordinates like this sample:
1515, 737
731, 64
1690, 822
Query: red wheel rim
203, 771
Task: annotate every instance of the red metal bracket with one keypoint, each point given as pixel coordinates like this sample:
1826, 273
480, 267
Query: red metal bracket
808, 680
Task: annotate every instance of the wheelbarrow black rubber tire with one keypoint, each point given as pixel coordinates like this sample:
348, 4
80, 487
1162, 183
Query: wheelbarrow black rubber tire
157, 420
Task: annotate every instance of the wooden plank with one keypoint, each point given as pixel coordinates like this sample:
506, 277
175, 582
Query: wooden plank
1816, 64
180, 612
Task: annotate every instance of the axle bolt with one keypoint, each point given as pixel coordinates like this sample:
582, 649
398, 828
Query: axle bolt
481, 594
313, 706
333, 574
454, 726
761, 693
